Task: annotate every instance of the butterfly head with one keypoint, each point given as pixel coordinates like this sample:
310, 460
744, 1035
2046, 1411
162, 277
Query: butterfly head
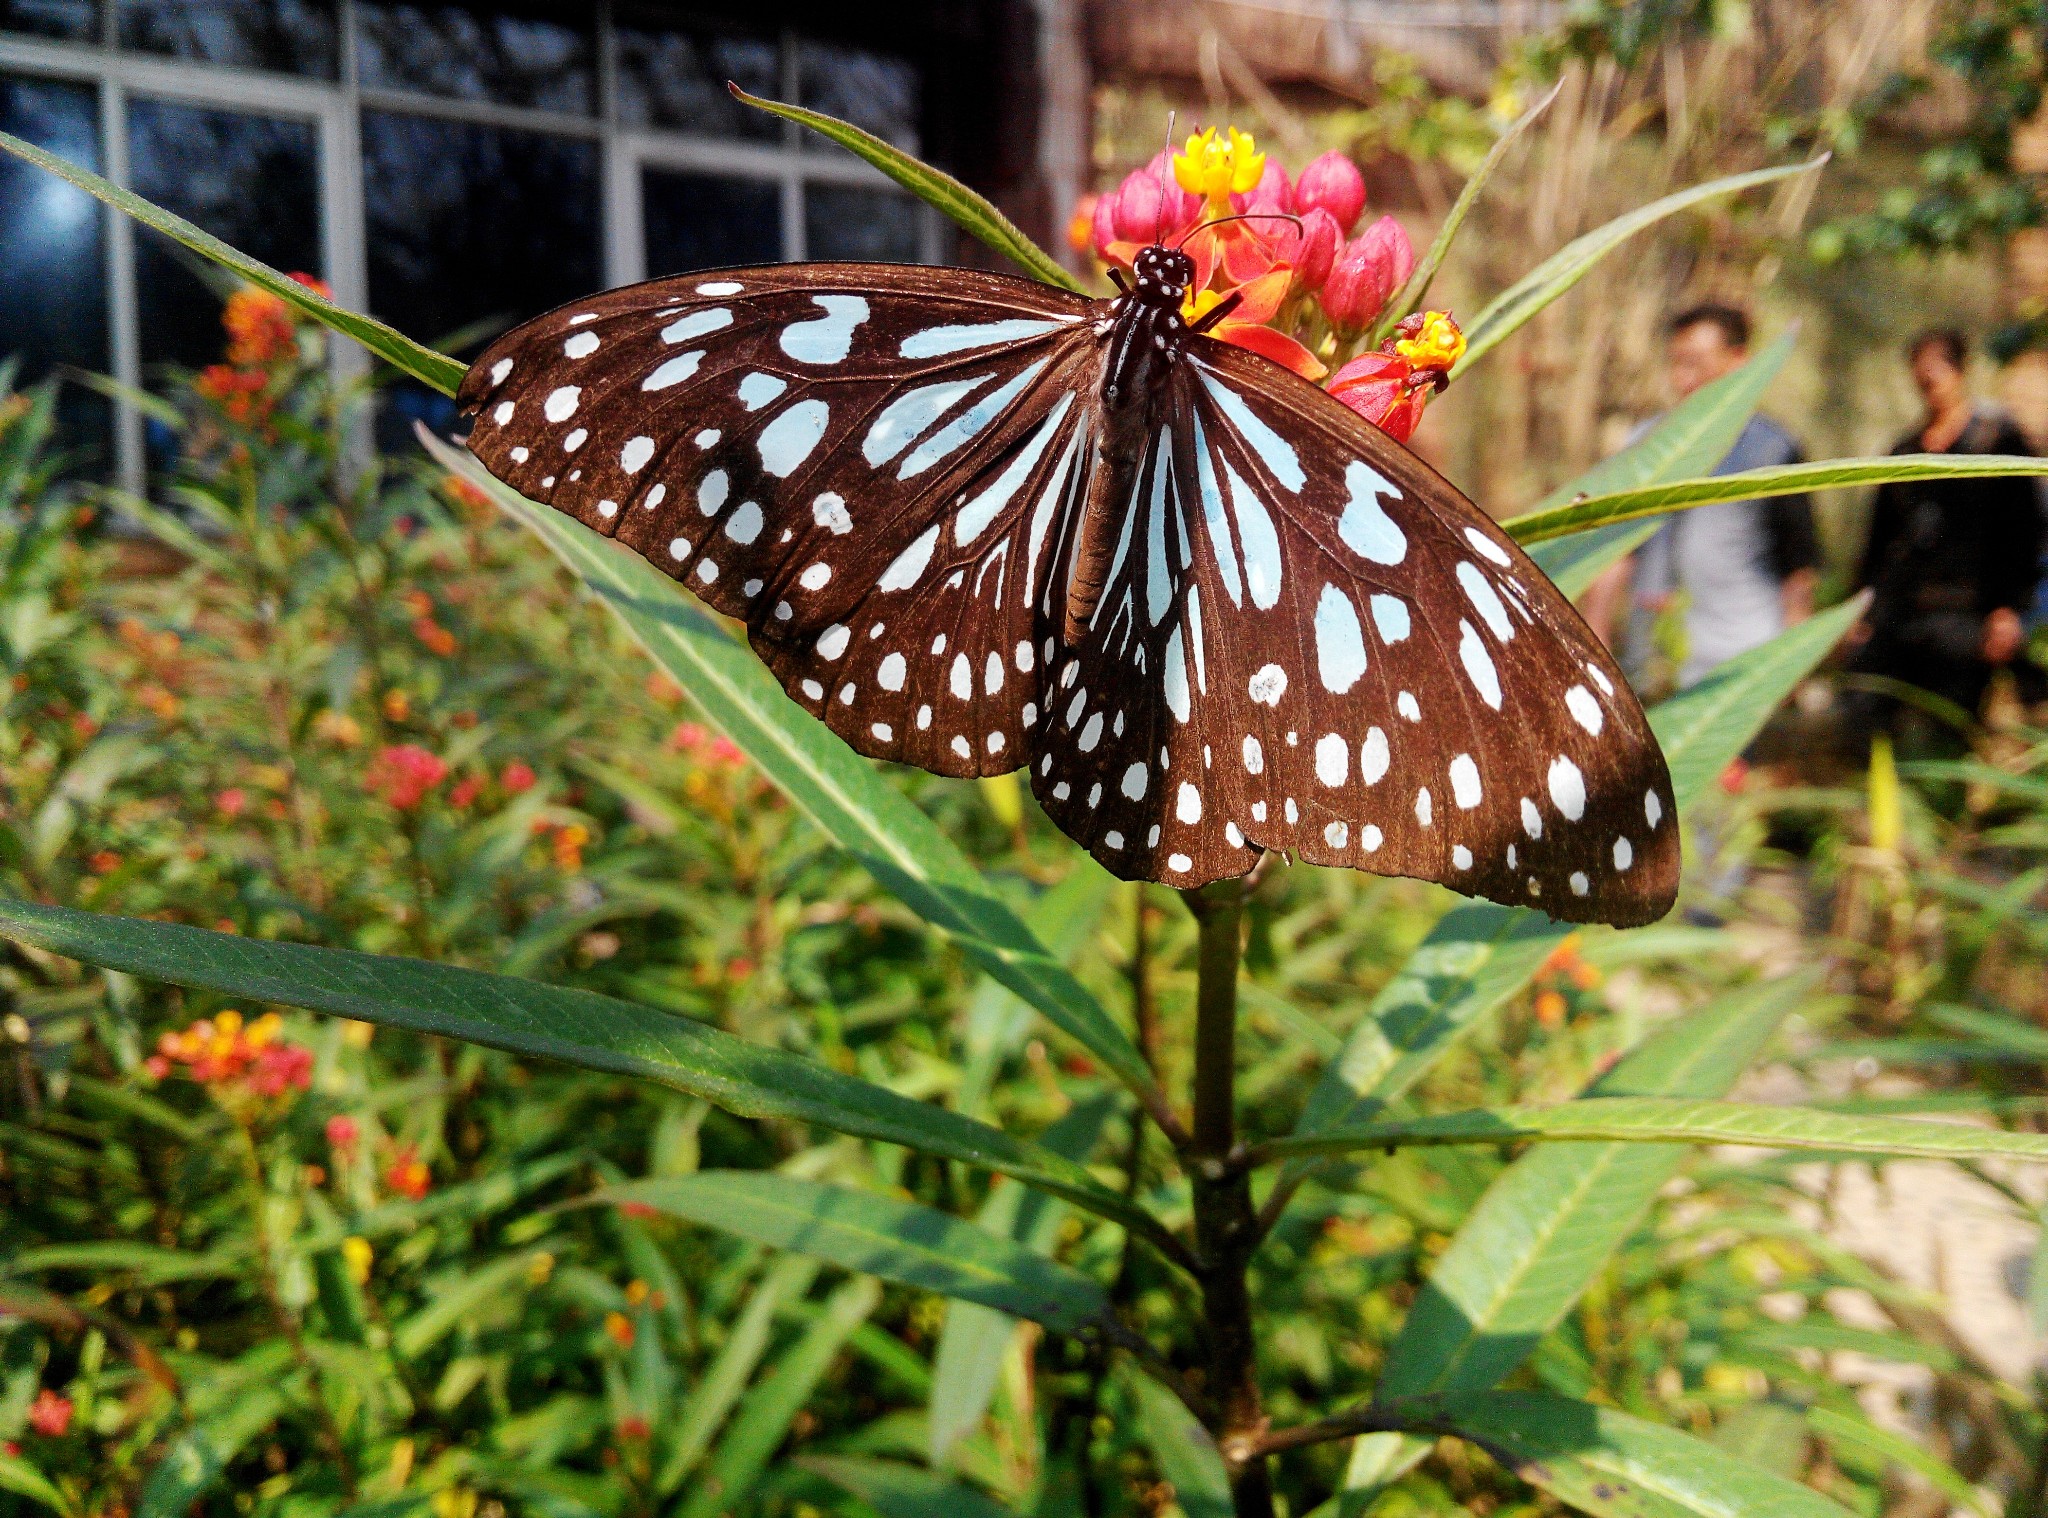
1163, 276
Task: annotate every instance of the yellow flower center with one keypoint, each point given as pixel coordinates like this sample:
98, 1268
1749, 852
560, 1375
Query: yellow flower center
1438, 345
1197, 304
1216, 167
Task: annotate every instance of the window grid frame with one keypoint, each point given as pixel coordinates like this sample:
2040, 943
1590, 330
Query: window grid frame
334, 108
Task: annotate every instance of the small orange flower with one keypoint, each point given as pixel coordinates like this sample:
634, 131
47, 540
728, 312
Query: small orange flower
1258, 301
434, 637
1550, 1010
569, 841
407, 1174
50, 1414
619, 1328
259, 327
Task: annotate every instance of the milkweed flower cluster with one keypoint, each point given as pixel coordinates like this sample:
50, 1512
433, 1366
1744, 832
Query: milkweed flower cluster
233, 1056
1301, 288
403, 774
262, 345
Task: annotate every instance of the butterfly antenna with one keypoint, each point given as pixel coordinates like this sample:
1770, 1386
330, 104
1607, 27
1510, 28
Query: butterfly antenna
1241, 216
1165, 167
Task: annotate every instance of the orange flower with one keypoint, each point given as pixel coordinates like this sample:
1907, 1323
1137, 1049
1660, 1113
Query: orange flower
1389, 388
1550, 1010
50, 1414
236, 1057
259, 327
1245, 326
436, 638
407, 1174
569, 841
619, 1328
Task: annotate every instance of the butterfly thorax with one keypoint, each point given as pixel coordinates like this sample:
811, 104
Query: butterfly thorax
1145, 339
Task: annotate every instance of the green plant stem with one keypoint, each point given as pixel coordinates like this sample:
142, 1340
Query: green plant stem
1226, 1224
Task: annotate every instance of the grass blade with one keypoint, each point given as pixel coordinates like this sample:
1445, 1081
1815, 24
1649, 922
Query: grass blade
903, 1491
1507, 311
843, 793
1756, 484
764, 1418
899, 1241
436, 370
1187, 1457
941, 191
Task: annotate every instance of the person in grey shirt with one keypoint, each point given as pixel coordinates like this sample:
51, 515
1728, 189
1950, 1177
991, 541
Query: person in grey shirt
1742, 571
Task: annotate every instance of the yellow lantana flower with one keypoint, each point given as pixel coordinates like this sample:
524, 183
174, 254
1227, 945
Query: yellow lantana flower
1217, 167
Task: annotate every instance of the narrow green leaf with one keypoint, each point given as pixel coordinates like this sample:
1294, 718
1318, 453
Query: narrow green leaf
939, 190
899, 1241
1550, 1220
1187, 1457
436, 370
1840, 1427
2009, 1034
1754, 484
1642, 1120
24, 1480
842, 792
972, 1344
1408, 299
1507, 311
704, 1411
459, 1298
764, 1418
1611, 1465
1706, 726
553, 1022
197, 1457
903, 1491
151, 1264
1689, 439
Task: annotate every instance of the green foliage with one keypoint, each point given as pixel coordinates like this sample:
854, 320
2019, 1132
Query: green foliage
644, 1124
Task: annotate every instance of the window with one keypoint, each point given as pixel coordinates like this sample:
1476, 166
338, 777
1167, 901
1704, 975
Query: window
53, 297
287, 36
451, 167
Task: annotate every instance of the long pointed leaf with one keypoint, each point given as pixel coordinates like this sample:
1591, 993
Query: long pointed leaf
1187, 1457
1507, 311
939, 190
1754, 484
903, 1491
842, 792
1611, 1465
1646, 1120
436, 370
1410, 296
771, 1407
553, 1022
899, 1241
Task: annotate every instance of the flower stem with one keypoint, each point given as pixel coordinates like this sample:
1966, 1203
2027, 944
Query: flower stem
1226, 1224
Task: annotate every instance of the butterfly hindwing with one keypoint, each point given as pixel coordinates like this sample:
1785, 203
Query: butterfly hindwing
864, 463
1317, 645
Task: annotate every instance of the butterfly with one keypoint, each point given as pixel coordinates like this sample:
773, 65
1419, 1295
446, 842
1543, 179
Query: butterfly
974, 522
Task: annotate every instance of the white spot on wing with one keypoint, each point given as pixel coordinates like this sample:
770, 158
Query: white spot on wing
1365, 527
825, 339
910, 564
1465, 789
788, 440
745, 524
1567, 788
634, 456
1478, 664
937, 342
1479, 591
1487, 547
561, 403
1340, 641
1584, 709
758, 389
833, 640
673, 372
1333, 759
1373, 757
1273, 450
1390, 616
1268, 685
696, 324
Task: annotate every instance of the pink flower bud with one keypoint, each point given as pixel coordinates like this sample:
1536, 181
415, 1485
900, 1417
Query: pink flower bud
1102, 228
1315, 250
1366, 274
1273, 192
1332, 183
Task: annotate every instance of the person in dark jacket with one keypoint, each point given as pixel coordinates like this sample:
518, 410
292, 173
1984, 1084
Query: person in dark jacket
1952, 563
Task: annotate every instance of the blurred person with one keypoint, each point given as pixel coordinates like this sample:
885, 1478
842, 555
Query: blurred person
1952, 564
1738, 573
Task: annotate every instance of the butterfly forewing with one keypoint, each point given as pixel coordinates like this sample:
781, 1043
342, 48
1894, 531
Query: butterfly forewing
1305, 639
1317, 645
864, 469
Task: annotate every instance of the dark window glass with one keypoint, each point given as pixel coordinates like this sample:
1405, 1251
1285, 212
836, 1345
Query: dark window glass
286, 36
53, 280
251, 180
677, 79
513, 59
873, 226
76, 20
472, 229
867, 89
702, 221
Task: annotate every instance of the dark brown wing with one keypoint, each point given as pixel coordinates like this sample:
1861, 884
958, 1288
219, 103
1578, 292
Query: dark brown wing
869, 464
1316, 644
